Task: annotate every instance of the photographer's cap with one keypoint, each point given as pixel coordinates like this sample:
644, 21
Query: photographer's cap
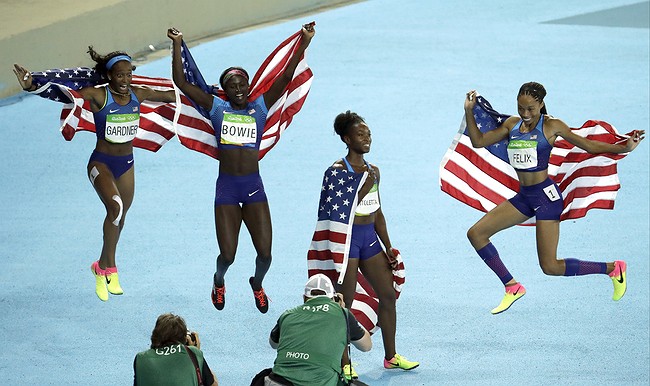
318, 283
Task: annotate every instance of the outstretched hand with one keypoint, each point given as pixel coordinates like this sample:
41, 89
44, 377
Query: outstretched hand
634, 140
24, 76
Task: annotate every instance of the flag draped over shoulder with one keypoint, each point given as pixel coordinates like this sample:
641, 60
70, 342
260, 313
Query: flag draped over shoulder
330, 245
61, 85
192, 122
482, 177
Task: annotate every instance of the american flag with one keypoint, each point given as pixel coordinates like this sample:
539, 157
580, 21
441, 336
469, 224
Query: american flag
330, 245
193, 125
61, 85
482, 178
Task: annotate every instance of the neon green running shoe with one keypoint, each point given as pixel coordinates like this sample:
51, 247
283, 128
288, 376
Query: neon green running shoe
100, 282
513, 293
399, 362
349, 373
619, 279
113, 282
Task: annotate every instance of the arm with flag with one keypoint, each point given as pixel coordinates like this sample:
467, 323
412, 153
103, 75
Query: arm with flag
284, 79
104, 100
234, 127
351, 243
557, 173
63, 85
482, 177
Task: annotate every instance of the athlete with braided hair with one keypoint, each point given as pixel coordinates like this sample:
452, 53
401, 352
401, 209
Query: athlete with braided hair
531, 136
116, 112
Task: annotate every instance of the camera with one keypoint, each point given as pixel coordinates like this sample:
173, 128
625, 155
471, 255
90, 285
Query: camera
191, 338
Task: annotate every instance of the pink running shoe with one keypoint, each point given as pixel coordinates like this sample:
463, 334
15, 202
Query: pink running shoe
513, 293
618, 276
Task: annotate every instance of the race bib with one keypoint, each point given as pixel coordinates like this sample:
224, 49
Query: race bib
552, 193
370, 203
121, 128
239, 130
522, 154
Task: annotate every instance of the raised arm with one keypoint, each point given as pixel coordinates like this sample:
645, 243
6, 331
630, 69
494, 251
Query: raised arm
96, 96
195, 93
24, 77
561, 129
478, 138
275, 91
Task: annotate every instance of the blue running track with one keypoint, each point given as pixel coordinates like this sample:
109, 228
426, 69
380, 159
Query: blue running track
405, 66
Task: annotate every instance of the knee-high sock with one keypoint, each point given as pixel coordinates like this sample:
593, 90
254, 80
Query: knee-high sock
575, 267
490, 256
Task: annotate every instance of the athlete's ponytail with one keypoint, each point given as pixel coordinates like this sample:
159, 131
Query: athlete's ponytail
344, 121
102, 60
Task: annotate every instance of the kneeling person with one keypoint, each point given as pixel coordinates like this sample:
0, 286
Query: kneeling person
311, 338
175, 357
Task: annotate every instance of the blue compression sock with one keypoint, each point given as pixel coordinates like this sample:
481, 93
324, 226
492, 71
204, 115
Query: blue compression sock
490, 256
575, 267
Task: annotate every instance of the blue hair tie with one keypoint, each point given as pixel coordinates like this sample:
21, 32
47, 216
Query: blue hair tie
116, 59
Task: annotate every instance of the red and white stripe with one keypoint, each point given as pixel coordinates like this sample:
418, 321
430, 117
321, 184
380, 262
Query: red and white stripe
156, 118
365, 305
196, 132
587, 181
328, 254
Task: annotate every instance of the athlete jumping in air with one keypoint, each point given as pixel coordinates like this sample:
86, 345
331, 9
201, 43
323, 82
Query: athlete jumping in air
531, 136
116, 111
240, 195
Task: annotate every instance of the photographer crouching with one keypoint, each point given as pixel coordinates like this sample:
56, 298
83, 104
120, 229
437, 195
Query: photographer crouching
166, 363
310, 339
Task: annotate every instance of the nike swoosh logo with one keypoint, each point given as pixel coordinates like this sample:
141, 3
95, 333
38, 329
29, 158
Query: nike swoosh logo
250, 194
129, 161
620, 280
113, 111
517, 291
373, 243
108, 280
535, 209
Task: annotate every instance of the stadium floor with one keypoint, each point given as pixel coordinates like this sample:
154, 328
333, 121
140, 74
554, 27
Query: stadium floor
406, 69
